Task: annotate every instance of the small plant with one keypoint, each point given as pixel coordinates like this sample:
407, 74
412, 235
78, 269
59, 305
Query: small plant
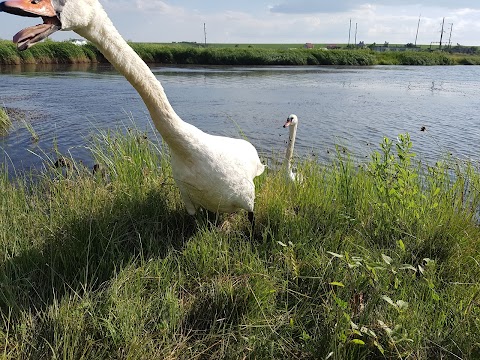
369, 286
5, 122
400, 201
31, 130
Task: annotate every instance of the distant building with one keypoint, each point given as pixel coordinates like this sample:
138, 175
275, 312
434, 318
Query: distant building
308, 46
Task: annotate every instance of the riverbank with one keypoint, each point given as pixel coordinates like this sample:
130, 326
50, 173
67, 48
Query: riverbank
376, 261
67, 52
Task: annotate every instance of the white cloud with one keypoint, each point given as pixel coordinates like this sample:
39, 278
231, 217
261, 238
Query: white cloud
315, 6
235, 22
156, 6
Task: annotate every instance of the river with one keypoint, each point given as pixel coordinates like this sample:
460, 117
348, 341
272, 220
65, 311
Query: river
350, 107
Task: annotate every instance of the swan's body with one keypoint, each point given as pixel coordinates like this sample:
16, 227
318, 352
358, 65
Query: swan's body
212, 172
291, 123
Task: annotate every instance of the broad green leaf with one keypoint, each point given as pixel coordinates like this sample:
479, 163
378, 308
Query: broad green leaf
334, 254
387, 299
379, 347
402, 304
358, 342
420, 268
384, 327
387, 259
408, 267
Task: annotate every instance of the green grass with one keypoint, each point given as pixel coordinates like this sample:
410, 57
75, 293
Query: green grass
48, 52
231, 54
5, 121
249, 56
377, 260
418, 58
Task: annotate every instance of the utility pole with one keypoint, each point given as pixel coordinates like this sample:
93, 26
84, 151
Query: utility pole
205, 33
450, 37
441, 33
349, 32
356, 34
418, 26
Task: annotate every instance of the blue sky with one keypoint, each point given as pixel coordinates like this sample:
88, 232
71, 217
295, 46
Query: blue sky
284, 21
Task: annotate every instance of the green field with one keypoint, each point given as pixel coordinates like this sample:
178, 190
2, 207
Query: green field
359, 261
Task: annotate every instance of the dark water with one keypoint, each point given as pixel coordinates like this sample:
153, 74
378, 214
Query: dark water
352, 107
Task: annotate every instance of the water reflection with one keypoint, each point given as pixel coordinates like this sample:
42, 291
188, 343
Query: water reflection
47, 68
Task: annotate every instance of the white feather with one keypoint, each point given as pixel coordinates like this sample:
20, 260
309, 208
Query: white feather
212, 172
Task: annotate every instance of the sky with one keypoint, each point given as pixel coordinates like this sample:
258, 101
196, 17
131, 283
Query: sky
284, 21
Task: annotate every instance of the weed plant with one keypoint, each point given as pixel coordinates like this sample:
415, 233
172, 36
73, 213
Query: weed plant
359, 261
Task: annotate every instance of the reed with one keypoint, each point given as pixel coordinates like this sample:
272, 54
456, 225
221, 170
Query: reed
5, 121
8, 53
360, 261
48, 52
250, 56
66, 52
415, 58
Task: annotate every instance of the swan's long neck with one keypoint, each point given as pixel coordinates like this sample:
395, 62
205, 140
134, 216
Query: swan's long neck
291, 144
111, 44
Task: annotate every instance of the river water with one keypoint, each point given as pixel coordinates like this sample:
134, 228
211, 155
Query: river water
351, 107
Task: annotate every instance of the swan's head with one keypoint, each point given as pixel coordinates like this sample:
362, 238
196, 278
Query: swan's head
291, 120
56, 15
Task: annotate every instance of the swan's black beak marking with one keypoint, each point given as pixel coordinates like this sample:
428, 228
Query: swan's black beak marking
289, 121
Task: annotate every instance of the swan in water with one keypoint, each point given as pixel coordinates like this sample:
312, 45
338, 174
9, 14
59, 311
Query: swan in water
291, 123
213, 172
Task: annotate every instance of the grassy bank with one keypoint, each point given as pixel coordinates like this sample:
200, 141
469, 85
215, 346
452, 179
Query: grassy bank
48, 52
66, 52
374, 261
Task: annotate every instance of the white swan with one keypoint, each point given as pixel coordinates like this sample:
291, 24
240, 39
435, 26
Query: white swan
212, 172
291, 123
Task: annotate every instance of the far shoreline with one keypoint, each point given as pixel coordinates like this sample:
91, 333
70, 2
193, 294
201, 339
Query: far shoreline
50, 52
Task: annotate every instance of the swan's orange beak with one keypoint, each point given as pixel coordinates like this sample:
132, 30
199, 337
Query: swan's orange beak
287, 124
33, 8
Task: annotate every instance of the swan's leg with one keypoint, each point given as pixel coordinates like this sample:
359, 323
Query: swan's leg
191, 210
189, 205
